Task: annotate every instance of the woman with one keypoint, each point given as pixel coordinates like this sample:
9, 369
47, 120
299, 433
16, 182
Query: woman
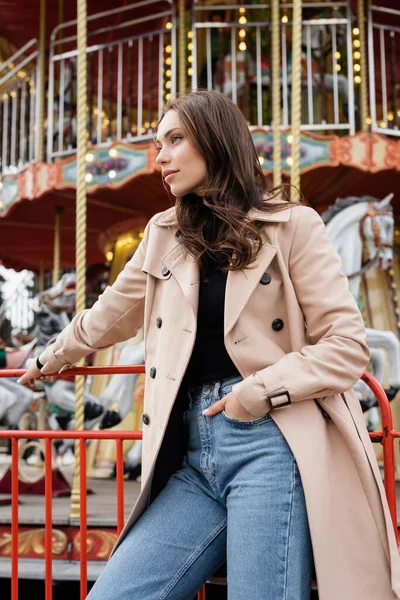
254, 451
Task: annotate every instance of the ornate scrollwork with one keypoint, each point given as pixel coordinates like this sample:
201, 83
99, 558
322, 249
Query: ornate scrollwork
106, 538
33, 541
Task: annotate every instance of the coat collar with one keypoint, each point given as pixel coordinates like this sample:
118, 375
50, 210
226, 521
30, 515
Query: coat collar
168, 217
239, 286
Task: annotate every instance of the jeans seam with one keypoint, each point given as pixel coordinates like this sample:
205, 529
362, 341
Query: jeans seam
285, 586
192, 558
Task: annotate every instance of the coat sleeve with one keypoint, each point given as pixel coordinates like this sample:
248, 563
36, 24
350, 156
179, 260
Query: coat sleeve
117, 315
337, 354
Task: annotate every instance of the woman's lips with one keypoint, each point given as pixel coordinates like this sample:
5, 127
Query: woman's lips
170, 175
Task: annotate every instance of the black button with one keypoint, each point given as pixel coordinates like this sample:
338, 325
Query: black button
277, 324
165, 271
159, 322
265, 279
153, 372
145, 418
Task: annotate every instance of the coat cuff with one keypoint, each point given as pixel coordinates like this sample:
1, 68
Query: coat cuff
259, 394
51, 364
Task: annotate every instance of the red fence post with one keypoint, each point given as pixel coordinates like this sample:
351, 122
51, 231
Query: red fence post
48, 543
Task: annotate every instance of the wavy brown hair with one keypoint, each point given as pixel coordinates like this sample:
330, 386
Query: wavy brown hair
212, 224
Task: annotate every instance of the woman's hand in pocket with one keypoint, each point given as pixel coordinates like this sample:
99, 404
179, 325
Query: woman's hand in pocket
232, 406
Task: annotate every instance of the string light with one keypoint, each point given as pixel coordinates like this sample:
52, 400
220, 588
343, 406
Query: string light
168, 25
88, 177
242, 32
284, 19
356, 56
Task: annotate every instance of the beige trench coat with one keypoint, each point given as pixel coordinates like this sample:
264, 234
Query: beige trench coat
318, 354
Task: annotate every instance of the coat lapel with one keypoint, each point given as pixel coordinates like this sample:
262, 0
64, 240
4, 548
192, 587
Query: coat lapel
241, 284
186, 271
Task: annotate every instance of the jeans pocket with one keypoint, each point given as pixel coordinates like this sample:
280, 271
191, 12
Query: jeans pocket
246, 424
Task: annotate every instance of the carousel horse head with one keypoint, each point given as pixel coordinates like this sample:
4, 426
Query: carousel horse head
62, 295
377, 231
367, 222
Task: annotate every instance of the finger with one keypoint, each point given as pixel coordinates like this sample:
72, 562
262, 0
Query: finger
215, 408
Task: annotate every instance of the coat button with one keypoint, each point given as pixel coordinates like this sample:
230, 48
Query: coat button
265, 279
165, 272
153, 372
277, 324
145, 418
159, 322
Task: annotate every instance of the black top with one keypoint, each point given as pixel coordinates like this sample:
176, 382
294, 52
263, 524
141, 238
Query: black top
210, 360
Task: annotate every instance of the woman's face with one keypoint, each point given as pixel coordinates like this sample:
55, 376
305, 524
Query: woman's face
183, 167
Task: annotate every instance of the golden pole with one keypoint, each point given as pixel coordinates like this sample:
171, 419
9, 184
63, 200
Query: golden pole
182, 48
296, 100
57, 245
276, 94
41, 275
80, 230
363, 64
41, 89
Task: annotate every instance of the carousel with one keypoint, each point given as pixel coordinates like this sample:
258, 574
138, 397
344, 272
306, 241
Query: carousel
318, 83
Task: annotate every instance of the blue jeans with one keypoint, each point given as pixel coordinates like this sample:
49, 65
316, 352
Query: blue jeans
237, 497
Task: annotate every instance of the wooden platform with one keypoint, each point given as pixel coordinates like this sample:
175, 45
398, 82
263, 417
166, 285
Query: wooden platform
102, 504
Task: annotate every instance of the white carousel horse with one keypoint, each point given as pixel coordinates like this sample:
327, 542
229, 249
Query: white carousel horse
352, 223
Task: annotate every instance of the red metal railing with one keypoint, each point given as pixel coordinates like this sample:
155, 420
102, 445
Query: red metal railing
385, 438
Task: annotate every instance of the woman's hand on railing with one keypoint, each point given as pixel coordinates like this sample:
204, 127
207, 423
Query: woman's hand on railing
32, 373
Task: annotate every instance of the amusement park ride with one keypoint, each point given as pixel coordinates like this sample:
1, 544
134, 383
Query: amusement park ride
321, 94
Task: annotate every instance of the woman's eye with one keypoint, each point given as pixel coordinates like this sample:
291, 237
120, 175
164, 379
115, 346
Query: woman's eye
175, 137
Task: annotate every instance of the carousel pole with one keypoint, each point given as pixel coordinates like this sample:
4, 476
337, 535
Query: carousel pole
276, 94
57, 245
363, 64
41, 88
80, 232
296, 100
182, 48
41, 275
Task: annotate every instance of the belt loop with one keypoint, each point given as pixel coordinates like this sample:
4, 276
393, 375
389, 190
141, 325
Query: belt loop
216, 390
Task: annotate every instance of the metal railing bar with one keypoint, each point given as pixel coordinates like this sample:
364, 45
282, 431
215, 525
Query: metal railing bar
14, 99
309, 76
198, 8
12, 58
72, 434
233, 65
140, 87
350, 86
259, 87
119, 91
120, 26
173, 53
160, 74
48, 544
388, 11
15, 70
383, 75
120, 485
208, 55
83, 518
14, 519
105, 13
99, 95
285, 96
335, 75
97, 47
212, 25
385, 27
61, 106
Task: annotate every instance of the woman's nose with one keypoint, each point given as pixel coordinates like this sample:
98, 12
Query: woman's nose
162, 157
